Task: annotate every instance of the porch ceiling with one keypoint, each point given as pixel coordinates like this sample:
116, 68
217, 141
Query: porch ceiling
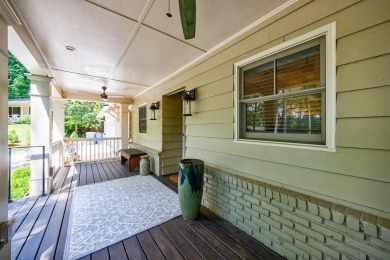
130, 45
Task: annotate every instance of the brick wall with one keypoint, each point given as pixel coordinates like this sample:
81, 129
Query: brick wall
295, 225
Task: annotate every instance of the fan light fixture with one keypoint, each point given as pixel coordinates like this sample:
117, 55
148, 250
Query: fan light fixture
104, 96
153, 108
187, 97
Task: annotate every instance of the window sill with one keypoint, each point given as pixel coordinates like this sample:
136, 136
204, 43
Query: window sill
314, 147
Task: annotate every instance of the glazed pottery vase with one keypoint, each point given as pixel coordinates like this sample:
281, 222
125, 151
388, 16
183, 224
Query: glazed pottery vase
144, 165
190, 187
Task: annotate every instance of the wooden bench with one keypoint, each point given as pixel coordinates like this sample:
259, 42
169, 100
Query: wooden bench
133, 156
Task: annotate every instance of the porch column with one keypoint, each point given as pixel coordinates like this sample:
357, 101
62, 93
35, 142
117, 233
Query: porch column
40, 92
5, 251
124, 126
58, 133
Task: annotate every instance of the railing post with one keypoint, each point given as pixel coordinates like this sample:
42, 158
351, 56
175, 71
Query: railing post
9, 174
43, 170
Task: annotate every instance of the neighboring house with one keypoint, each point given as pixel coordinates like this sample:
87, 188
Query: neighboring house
111, 116
17, 108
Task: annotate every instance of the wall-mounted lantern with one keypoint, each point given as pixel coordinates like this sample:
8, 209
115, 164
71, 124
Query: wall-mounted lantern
187, 97
153, 108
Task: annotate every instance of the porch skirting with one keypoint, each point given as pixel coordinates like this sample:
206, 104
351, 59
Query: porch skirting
294, 224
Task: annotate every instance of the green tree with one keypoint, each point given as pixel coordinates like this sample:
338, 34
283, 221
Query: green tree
82, 115
18, 83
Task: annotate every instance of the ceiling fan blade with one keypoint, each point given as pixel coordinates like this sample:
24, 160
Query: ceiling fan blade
86, 92
188, 17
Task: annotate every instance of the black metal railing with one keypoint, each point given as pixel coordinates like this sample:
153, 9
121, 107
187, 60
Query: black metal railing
10, 167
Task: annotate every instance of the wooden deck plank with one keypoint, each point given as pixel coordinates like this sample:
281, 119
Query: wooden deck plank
165, 245
196, 241
230, 242
218, 246
60, 179
240, 236
14, 206
24, 210
117, 251
181, 243
134, 249
149, 246
43, 226
89, 173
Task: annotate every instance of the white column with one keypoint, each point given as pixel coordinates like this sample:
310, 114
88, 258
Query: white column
124, 126
58, 133
40, 92
5, 252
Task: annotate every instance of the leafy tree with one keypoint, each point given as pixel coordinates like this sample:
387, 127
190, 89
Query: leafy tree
18, 83
81, 116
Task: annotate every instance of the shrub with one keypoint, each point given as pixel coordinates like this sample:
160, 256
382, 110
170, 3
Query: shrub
74, 135
20, 182
26, 120
13, 137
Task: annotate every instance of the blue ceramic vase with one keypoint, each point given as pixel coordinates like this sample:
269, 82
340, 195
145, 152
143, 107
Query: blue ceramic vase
190, 187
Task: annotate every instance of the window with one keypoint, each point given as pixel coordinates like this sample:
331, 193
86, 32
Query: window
286, 95
142, 118
14, 111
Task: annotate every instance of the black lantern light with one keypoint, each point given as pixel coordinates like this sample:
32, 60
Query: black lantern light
153, 108
187, 97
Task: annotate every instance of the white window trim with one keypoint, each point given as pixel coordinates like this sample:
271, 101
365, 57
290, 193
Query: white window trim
141, 105
329, 31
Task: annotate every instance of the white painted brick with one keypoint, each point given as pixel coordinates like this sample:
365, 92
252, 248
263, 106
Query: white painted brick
243, 202
230, 196
284, 251
369, 225
284, 198
252, 199
325, 209
268, 193
243, 214
302, 201
282, 205
379, 243
384, 229
276, 194
243, 227
338, 213
299, 252
353, 219
236, 216
239, 182
256, 188
252, 225
236, 205
296, 218
306, 214
328, 232
252, 212
340, 246
281, 235
261, 197
262, 238
260, 223
244, 190
282, 220
309, 232
230, 207
244, 184
262, 190
269, 235
270, 221
294, 234
230, 218
312, 205
308, 249
261, 210
236, 193
367, 248
292, 200
250, 186
271, 208
213, 182
326, 250
344, 229
234, 180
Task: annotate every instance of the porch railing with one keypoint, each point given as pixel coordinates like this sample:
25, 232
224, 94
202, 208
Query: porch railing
90, 149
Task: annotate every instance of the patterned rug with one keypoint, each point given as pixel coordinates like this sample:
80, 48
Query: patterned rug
105, 213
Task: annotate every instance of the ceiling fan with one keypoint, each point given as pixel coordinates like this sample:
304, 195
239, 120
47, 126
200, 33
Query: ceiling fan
103, 96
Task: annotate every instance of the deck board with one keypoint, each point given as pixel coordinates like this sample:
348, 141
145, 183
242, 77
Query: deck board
42, 225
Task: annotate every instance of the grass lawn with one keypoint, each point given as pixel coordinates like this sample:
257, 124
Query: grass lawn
23, 131
20, 182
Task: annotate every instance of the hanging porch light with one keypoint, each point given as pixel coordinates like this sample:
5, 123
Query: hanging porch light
187, 97
153, 108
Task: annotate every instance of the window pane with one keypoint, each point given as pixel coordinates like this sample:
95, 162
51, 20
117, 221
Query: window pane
142, 119
259, 81
298, 71
294, 115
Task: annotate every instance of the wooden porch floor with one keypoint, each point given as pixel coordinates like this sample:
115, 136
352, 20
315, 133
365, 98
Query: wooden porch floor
42, 222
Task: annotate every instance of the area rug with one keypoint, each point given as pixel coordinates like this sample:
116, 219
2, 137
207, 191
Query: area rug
105, 213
